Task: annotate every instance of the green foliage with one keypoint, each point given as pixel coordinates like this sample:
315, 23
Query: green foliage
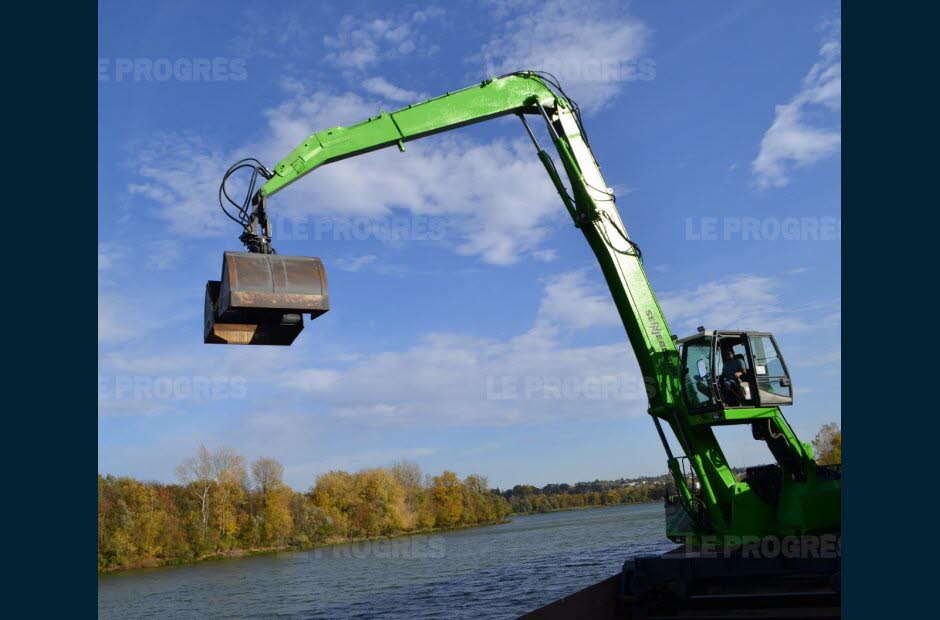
524, 498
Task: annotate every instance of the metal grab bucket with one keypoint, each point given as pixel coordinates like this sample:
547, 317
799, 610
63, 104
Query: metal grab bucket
261, 298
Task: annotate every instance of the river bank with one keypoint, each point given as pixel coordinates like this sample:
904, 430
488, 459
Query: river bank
480, 573
234, 554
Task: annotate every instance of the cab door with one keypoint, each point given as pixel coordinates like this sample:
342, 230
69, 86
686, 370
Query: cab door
774, 387
698, 380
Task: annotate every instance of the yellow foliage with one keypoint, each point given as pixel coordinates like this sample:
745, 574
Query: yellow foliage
828, 445
447, 491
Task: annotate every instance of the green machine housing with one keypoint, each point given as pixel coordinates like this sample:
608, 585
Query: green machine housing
261, 296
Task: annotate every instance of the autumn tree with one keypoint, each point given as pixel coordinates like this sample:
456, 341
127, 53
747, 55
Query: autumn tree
198, 473
147, 523
447, 491
828, 444
275, 498
267, 473
230, 477
333, 493
408, 476
476, 505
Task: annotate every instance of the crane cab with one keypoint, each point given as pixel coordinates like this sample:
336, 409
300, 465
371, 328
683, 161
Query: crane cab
733, 369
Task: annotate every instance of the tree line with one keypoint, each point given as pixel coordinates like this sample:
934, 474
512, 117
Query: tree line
224, 506
525, 499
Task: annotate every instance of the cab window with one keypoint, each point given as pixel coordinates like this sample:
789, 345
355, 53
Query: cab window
773, 382
696, 374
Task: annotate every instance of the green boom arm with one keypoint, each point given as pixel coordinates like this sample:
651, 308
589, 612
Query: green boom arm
593, 209
591, 203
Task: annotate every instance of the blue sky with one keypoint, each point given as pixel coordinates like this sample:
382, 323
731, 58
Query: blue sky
717, 125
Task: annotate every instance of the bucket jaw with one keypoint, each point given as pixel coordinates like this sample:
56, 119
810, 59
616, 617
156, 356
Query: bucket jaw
261, 298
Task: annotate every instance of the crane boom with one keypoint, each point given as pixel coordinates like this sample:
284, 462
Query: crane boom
710, 499
591, 203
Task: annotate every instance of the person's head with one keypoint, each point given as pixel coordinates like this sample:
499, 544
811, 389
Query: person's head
727, 354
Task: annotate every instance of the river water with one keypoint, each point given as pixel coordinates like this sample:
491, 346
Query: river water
499, 571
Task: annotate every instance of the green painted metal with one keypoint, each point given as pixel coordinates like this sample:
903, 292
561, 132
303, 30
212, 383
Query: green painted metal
721, 506
473, 104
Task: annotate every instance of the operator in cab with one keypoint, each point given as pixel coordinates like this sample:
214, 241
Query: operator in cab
730, 379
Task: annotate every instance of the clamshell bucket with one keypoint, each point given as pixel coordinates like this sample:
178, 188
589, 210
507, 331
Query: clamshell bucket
261, 298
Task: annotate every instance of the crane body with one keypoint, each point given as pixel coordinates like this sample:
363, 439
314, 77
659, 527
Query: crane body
694, 384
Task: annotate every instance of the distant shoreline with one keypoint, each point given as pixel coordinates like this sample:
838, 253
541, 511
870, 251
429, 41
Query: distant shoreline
236, 554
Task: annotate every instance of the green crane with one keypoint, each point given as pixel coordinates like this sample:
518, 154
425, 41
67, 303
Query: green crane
708, 379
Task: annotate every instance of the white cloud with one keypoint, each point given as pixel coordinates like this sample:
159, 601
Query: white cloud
355, 263
744, 302
546, 256
183, 359
828, 358
132, 408
353, 461
144, 377
449, 177
427, 14
571, 300
362, 43
163, 254
456, 380
792, 142
272, 35
108, 254
592, 47
115, 322
313, 380
385, 89
181, 173
452, 379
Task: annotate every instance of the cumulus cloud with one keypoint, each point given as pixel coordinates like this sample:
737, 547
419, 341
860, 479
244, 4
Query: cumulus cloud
138, 378
355, 263
181, 173
744, 302
594, 48
360, 43
571, 300
792, 141
450, 177
458, 380
461, 380
388, 91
